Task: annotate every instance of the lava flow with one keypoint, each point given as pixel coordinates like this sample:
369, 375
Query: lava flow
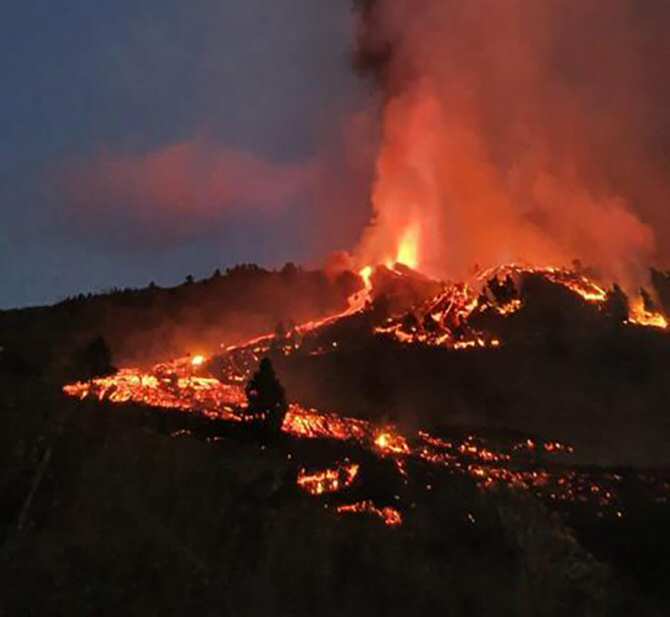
190, 385
328, 480
390, 516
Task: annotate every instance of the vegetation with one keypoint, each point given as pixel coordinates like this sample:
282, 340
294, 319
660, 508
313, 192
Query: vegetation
266, 397
149, 325
95, 499
93, 360
99, 500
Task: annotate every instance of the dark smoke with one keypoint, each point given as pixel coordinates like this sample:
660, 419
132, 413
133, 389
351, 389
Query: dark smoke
521, 130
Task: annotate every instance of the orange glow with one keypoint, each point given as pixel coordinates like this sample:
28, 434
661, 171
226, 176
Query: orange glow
366, 275
171, 386
328, 480
390, 516
408, 248
443, 320
641, 317
388, 441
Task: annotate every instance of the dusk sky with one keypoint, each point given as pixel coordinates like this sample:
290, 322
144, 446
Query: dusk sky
143, 140
146, 140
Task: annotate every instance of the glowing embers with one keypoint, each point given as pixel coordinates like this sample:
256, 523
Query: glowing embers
443, 321
588, 289
510, 307
329, 480
167, 386
310, 424
447, 319
387, 441
642, 316
390, 516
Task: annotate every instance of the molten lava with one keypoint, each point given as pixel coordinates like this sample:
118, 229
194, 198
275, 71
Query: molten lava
640, 316
328, 480
444, 320
390, 516
366, 275
388, 441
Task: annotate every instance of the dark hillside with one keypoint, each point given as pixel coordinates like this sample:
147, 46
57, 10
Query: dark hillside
104, 513
110, 509
143, 326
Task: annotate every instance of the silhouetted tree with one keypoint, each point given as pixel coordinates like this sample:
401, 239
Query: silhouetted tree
94, 360
289, 269
647, 301
616, 304
280, 330
661, 283
189, 279
280, 336
266, 396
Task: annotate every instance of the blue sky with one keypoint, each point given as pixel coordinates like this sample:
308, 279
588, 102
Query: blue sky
94, 86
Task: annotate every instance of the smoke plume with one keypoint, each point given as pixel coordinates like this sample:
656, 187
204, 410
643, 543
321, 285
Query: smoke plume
519, 130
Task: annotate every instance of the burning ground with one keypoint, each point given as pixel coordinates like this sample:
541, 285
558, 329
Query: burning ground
457, 318
349, 468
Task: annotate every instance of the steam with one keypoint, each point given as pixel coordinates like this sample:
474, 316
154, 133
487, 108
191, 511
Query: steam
183, 190
516, 130
180, 185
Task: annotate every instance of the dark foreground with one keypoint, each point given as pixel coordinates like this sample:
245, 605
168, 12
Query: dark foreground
124, 510
109, 510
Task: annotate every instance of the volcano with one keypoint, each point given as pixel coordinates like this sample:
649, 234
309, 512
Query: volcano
519, 415
399, 316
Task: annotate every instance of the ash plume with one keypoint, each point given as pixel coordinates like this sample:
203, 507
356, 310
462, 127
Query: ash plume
520, 130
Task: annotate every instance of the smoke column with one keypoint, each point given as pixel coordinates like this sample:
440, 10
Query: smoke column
517, 130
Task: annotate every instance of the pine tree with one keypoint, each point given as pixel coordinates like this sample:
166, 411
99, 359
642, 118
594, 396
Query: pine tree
266, 396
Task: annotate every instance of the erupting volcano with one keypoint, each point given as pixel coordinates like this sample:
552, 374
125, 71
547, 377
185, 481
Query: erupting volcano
451, 400
453, 316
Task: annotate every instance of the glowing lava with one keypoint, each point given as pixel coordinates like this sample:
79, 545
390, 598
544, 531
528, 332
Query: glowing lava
366, 275
642, 317
329, 480
390, 516
388, 441
443, 320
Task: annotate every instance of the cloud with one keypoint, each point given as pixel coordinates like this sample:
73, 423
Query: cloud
174, 193
179, 187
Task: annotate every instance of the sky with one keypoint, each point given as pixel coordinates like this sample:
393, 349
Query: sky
144, 140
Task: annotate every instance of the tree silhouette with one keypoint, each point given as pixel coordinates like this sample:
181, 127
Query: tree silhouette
647, 301
266, 396
616, 304
94, 360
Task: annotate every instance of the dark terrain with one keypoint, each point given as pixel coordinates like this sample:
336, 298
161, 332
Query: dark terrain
111, 510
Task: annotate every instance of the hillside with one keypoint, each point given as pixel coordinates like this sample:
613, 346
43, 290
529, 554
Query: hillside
113, 506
